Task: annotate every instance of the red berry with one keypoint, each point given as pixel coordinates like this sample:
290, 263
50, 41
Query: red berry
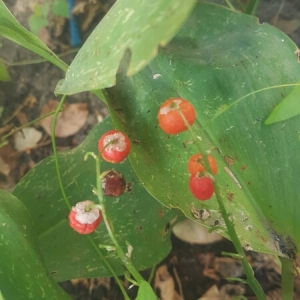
113, 183
85, 220
114, 146
196, 164
169, 118
201, 186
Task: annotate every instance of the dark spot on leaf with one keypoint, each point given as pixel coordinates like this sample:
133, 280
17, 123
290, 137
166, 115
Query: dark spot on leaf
243, 168
161, 213
229, 196
136, 141
167, 227
129, 186
53, 272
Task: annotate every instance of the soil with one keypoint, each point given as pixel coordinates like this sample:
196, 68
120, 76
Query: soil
191, 269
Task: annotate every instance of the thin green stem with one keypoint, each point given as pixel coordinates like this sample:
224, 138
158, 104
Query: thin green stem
151, 274
109, 267
230, 5
219, 113
13, 131
37, 60
287, 278
251, 280
125, 258
59, 108
242, 6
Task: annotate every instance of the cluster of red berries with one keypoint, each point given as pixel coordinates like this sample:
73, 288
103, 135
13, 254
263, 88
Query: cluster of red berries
173, 117
114, 147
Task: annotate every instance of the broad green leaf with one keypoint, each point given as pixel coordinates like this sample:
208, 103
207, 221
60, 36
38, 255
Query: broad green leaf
22, 275
4, 75
136, 216
11, 29
61, 8
145, 292
217, 58
287, 108
136, 25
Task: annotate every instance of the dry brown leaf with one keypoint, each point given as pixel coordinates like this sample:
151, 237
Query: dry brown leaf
165, 283
8, 159
79, 8
30, 101
58, 25
44, 35
27, 138
91, 11
287, 26
69, 121
194, 233
22, 118
4, 167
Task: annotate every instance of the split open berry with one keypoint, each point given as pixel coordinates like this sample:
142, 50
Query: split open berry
196, 164
201, 186
113, 183
84, 218
169, 118
114, 146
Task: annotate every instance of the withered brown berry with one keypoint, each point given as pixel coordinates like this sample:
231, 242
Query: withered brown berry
113, 183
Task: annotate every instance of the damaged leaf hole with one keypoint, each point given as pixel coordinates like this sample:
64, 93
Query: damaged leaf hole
285, 245
202, 214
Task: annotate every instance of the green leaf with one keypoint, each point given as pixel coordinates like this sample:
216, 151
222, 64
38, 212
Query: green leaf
36, 23
11, 29
61, 8
145, 292
45, 9
135, 25
287, 108
136, 216
22, 275
217, 58
4, 75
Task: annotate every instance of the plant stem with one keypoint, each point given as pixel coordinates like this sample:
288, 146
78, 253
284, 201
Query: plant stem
37, 60
109, 268
125, 259
242, 6
59, 108
251, 280
251, 7
24, 126
287, 278
230, 5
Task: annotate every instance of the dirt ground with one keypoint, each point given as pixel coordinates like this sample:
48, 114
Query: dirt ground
190, 270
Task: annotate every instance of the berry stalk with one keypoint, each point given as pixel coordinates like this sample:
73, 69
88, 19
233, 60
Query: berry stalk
102, 257
251, 280
125, 258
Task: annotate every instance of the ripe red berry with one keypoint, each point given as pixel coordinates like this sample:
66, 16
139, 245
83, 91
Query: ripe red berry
196, 164
169, 118
113, 183
85, 219
114, 146
201, 186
